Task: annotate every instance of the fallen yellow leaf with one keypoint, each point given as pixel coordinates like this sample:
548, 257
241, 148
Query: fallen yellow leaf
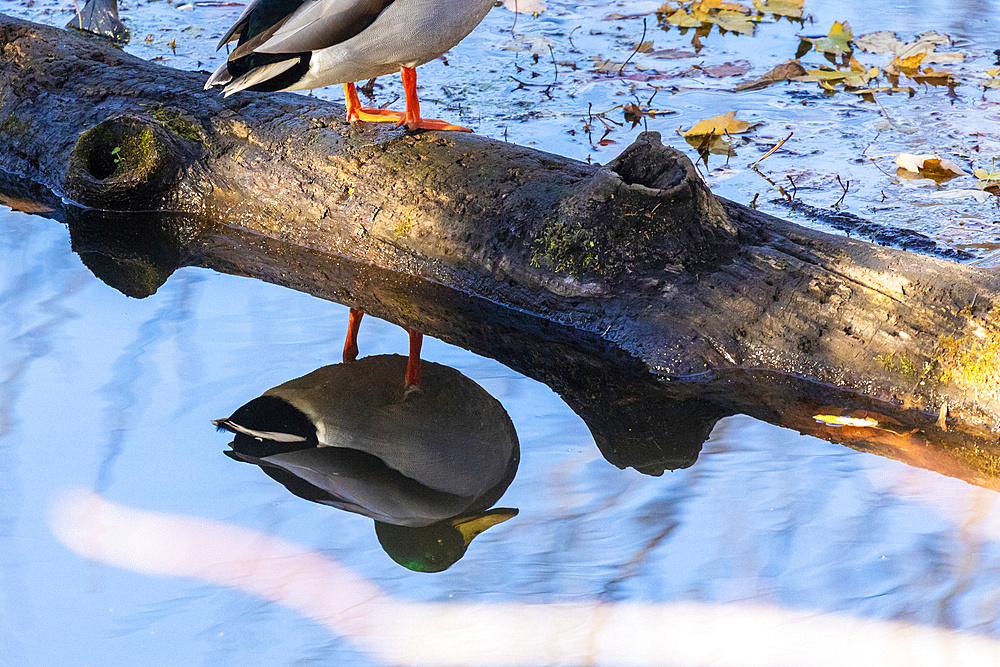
837, 42
933, 77
992, 176
929, 166
719, 5
682, 19
732, 21
856, 66
718, 125
908, 65
791, 8
828, 77
869, 93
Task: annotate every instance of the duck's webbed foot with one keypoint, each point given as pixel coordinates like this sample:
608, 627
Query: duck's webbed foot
355, 111
414, 124
411, 119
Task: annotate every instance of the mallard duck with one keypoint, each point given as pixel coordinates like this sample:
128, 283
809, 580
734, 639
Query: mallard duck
426, 465
302, 44
100, 17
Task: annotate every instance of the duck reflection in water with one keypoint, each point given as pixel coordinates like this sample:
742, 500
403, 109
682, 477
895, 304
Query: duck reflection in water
426, 465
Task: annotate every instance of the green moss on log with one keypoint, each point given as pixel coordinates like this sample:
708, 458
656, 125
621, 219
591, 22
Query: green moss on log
14, 126
178, 123
566, 249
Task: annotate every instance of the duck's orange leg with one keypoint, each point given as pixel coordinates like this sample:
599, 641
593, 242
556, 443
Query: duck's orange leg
412, 118
351, 344
368, 114
413, 361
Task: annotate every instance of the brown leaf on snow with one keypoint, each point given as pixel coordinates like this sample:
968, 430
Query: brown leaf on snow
737, 68
783, 72
673, 54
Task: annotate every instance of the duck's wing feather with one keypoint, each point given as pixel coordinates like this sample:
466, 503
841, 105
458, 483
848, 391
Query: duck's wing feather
236, 31
358, 482
318, 24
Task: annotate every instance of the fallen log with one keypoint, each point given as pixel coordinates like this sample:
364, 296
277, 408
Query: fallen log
652, 306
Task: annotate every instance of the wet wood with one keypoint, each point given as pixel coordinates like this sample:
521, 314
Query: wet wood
637, 256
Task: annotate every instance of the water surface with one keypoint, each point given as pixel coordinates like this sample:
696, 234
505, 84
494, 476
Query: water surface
116, 395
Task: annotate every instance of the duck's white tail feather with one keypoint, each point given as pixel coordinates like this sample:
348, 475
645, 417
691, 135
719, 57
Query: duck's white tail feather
220, 77
275, 436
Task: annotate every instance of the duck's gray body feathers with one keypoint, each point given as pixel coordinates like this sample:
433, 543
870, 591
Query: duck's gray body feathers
354, 40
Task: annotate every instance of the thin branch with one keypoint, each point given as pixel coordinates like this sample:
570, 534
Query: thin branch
776, 147
637, 46
844, 194
795, 188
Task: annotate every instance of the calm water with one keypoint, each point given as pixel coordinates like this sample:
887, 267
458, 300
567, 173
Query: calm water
773, 548
115, 395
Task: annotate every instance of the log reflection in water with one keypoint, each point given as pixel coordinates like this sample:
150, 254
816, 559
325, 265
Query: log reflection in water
638, 418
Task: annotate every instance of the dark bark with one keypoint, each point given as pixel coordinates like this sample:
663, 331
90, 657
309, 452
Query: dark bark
650, 305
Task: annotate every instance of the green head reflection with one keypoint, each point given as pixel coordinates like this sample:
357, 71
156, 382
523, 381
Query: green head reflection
436, 547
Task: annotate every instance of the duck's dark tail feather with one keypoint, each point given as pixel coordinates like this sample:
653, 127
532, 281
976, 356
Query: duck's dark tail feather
263, 72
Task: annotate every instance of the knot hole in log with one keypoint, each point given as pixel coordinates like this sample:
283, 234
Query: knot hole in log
650, 164
125, 163
647, 209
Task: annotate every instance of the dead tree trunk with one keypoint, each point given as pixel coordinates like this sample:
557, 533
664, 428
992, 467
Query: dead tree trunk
637, 254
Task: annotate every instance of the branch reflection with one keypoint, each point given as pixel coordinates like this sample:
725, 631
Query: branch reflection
391, 630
